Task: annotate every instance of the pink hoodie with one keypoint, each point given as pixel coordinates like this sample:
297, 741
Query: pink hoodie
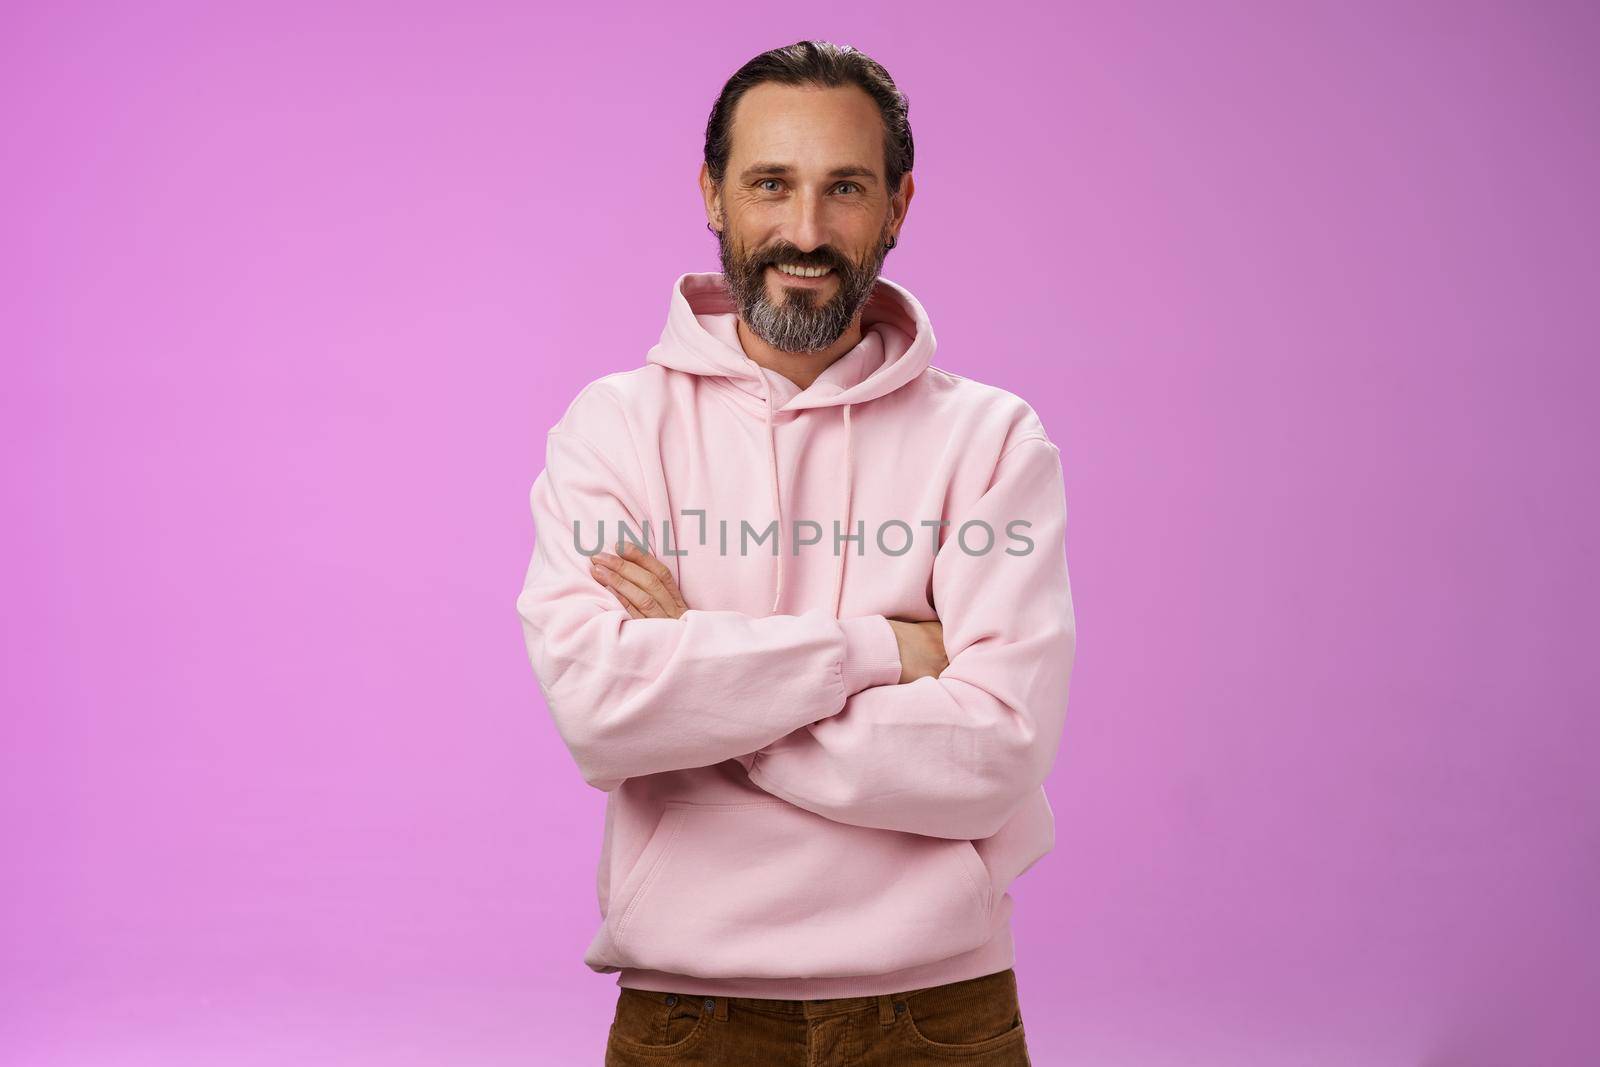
783, 818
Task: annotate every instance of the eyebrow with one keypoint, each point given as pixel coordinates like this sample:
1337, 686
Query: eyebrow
782, 169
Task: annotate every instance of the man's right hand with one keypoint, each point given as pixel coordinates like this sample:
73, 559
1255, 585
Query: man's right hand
921, 649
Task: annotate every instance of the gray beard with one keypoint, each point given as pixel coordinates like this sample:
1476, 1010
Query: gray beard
797, 325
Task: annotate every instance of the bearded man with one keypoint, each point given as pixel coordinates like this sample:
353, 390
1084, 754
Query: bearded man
823, 672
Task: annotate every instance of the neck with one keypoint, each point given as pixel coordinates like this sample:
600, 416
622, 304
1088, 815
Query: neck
801, 368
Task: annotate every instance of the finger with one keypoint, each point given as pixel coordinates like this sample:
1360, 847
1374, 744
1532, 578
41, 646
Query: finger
647, 581
635, 601
633, 612
607, 577
638, 597
659, 587
666, 585
650, 573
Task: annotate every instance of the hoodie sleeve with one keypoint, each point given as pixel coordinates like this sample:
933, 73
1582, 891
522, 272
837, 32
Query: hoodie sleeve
635, 696
955, 756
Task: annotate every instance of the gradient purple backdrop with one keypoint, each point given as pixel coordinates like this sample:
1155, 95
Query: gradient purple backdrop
291, 292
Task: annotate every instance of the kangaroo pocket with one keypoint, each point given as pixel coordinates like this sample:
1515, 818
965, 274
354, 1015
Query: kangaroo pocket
770, 890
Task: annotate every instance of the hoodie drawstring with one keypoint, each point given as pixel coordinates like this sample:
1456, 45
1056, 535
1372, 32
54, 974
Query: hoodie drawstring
777, 502
777, 498
849, 459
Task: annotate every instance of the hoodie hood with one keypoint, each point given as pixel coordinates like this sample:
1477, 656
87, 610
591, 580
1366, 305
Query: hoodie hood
701, 337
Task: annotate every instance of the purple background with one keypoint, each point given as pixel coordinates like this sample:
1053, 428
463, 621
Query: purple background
1306, 294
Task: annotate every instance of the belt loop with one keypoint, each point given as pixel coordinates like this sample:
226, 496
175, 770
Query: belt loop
722, 1009
885, 1009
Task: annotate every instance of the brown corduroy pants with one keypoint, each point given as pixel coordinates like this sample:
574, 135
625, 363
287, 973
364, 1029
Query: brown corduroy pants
977, 1021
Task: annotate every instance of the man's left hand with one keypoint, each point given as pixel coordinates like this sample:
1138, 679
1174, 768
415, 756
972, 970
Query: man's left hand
640, 582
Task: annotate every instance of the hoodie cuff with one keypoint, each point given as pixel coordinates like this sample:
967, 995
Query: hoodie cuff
871, 653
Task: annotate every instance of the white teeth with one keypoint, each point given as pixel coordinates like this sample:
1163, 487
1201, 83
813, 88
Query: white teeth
803, 272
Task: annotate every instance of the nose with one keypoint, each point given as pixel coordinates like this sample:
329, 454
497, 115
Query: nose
805, 222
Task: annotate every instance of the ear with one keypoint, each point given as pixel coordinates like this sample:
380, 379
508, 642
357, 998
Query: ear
900, 203
712, 197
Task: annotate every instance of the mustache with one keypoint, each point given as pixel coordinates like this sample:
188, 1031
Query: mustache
821, 257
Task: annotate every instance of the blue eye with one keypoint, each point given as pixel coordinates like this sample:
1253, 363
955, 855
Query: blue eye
763, 184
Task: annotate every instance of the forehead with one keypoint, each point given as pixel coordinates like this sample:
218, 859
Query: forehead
806, 127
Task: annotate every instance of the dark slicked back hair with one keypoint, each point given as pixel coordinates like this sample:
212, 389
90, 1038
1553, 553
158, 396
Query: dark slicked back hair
820, 63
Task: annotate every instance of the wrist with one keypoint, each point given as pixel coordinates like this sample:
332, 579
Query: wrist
871, 653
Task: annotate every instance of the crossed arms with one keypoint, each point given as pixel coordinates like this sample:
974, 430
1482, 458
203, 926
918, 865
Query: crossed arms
939, 729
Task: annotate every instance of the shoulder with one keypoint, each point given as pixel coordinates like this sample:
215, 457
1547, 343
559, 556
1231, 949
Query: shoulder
604, 409
981, 411
598, 427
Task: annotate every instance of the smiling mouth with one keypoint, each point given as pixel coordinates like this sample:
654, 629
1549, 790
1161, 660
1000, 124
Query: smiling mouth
802, 273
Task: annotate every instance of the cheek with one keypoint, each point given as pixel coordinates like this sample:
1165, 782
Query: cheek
863, 232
